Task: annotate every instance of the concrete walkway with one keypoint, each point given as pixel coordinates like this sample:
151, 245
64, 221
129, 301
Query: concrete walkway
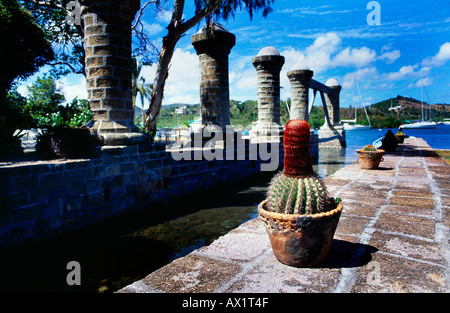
393, 236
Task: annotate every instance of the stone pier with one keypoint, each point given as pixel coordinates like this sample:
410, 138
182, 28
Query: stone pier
392, 237
268, 64
332, 128
107, 40
213, 45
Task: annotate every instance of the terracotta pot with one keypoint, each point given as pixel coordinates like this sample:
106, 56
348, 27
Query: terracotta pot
369, 160
300, 240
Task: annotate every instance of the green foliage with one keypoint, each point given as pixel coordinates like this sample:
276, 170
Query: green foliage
168, 118
12, 117
51, 16
243, 113
138, 84
44, 106
24, 48
317, 117
76, 114
44, 100
302, 195
228, 8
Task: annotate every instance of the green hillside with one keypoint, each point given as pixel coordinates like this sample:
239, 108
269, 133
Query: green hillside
245, 113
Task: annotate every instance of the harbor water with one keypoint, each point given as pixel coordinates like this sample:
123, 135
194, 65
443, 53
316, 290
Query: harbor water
114, 255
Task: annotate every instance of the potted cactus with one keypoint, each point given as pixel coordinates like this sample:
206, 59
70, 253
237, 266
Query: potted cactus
299, 216
369, 157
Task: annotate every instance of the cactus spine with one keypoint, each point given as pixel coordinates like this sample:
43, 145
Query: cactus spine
298, 189
302, 195
369, 148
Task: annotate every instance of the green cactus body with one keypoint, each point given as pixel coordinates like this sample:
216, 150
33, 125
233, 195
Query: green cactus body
298, 189
369, 148
303, 195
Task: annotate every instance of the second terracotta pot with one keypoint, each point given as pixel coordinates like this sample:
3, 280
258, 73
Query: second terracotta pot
369, 160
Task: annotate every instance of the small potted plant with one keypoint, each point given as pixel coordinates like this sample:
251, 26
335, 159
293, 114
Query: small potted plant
299, 216
400, 135
369, 157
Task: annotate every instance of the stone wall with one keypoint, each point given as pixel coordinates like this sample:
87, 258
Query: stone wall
40, 198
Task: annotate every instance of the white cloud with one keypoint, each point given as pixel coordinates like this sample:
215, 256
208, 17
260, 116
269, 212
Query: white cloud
182, 84
317, 56
327, 43
362, 75
404, 70
73, 86
153, 28
440, 58
243, 83
23, 89
427, 81
324, 54
408, 72
355, 57
391, 56
320, 10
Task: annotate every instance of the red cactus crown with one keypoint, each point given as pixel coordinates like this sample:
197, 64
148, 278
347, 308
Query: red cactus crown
297, 156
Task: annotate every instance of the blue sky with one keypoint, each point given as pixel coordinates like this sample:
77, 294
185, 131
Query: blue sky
411, 46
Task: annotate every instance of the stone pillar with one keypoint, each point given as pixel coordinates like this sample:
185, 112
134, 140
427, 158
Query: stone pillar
332, 136
268, 64
213, 47
107, 41
300, 77
332, 101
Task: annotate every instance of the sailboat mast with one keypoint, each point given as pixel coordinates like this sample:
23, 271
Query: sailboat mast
421, 96
362, 102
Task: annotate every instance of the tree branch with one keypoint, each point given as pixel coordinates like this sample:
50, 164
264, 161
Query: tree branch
141, 12
198, 17
49, 4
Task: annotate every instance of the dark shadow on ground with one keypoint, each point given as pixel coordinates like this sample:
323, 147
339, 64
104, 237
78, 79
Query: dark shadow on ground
348, 254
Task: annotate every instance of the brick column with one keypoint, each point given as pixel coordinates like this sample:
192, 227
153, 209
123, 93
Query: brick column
213, 48
300, 77
268, 64
107, 40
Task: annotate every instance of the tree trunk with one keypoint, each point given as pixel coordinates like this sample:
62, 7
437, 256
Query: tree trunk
162, 72
176, 29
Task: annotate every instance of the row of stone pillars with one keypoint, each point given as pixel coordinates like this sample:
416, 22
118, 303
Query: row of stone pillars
213, 47
107, 38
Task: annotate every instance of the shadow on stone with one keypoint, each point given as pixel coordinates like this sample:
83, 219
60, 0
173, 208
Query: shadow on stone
385, 168
348, 254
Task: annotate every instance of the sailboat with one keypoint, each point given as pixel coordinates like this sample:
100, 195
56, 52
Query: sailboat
422, 124
350, 125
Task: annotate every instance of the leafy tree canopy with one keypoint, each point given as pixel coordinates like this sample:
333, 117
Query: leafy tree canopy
44, 98
25, 47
